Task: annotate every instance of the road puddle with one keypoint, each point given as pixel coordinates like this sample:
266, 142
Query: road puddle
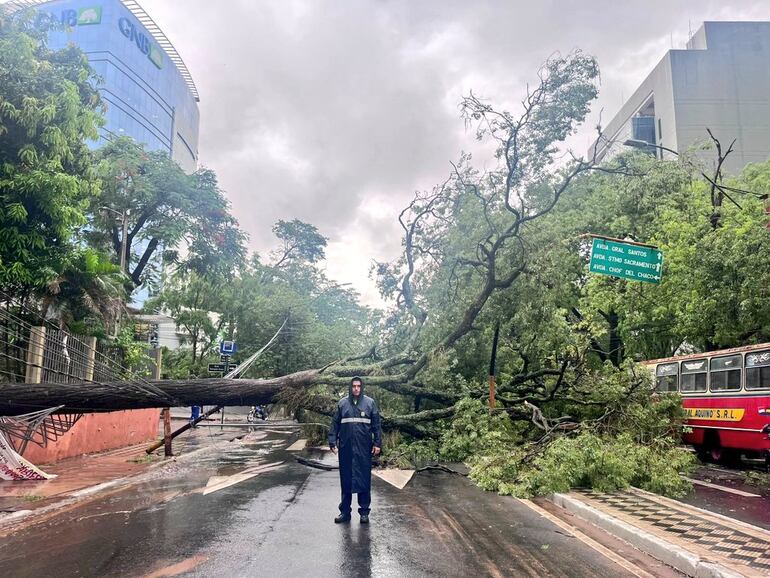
179, 567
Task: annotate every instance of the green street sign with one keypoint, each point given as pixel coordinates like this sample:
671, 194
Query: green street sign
92, 15
156, 56
626, 260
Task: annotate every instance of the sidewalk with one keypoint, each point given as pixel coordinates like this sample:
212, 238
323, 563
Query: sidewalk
694, 541
74, 476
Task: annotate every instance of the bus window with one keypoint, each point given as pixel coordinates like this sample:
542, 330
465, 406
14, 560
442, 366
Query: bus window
693, 378
726, 373
758, 370
667, 377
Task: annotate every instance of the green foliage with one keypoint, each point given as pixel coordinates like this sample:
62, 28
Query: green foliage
621, 436
135, 358
49, 108
473, 431
299, 242
714, 282
604, 463
758, 479
166, 208
193, 301
410, 454
87, 293
324, 321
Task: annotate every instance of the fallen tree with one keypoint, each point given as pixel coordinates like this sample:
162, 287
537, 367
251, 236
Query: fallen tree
474, 253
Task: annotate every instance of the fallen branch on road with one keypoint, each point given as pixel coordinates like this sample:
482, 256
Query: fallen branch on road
316, 464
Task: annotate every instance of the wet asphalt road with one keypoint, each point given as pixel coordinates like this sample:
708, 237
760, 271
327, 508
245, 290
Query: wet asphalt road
751, 509
279, 523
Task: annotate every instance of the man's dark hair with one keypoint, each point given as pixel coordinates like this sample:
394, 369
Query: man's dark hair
356, 379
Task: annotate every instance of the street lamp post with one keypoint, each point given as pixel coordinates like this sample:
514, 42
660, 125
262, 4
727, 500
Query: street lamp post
124, 241
642, 144
124, 238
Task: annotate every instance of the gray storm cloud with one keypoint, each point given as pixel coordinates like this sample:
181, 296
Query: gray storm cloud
310, 109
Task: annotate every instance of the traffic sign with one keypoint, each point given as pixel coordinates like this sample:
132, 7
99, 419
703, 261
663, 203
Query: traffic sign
225, 358
217, 367
228, 347
626, 260
231, 366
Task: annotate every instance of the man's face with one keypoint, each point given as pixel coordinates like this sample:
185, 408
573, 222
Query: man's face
356, 388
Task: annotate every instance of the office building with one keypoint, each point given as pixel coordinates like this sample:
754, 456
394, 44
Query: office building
149, 93
721, 81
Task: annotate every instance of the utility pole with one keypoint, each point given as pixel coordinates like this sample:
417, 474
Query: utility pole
123, 249
124, 238
124, 241
493, 359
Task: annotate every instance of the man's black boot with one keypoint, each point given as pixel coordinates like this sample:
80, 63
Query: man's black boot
341, 519
364, 518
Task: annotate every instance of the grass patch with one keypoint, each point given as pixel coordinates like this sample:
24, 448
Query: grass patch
757, 479
145, 459
32, 497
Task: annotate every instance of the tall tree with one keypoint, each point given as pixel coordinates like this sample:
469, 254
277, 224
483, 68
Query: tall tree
49, 108
87, 296
164, 208
475, 252
193, 300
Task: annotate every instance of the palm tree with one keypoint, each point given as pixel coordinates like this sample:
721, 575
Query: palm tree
88, 289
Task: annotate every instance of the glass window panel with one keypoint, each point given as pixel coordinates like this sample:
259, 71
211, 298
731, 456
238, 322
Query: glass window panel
693, 382
667, 369
726, 373
666, 383
694, 366
758, 377
731, 362
726, 380
667, 377
758, 359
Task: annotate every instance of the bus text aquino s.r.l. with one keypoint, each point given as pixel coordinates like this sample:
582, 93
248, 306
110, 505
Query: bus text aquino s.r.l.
726, 396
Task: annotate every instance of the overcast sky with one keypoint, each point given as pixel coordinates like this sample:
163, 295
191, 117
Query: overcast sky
335, 112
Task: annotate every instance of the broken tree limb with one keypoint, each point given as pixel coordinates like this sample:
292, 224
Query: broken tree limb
316, 464
86, 397
181, 430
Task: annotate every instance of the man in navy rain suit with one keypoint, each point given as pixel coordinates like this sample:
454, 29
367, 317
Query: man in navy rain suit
356, 435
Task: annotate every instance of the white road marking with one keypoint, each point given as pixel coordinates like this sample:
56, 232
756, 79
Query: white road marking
297, 446
723, 488
217, 483
603, 550
395, 477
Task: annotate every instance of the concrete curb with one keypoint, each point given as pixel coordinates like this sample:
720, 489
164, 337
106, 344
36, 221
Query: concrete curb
84, 493
683, 560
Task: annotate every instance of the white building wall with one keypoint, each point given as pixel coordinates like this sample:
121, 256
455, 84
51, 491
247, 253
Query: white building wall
721, 81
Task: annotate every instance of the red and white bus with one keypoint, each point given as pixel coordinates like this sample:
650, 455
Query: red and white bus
726, 395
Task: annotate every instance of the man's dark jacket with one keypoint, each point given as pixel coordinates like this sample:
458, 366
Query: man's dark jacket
355, 430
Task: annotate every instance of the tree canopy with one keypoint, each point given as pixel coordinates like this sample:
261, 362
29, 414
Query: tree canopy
165, 209
49, 108
501, 242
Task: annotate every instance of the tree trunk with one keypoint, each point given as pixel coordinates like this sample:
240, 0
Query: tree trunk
616, 349
19, 398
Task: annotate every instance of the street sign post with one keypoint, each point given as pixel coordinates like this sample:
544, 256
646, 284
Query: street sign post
228, 347
626, 260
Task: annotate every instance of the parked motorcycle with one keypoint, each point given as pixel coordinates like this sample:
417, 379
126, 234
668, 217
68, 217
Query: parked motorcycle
257, 412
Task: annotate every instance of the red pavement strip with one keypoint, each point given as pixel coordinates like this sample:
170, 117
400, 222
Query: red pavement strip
89, 474
73, 474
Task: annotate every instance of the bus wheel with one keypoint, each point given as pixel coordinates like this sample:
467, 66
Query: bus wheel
725, 456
